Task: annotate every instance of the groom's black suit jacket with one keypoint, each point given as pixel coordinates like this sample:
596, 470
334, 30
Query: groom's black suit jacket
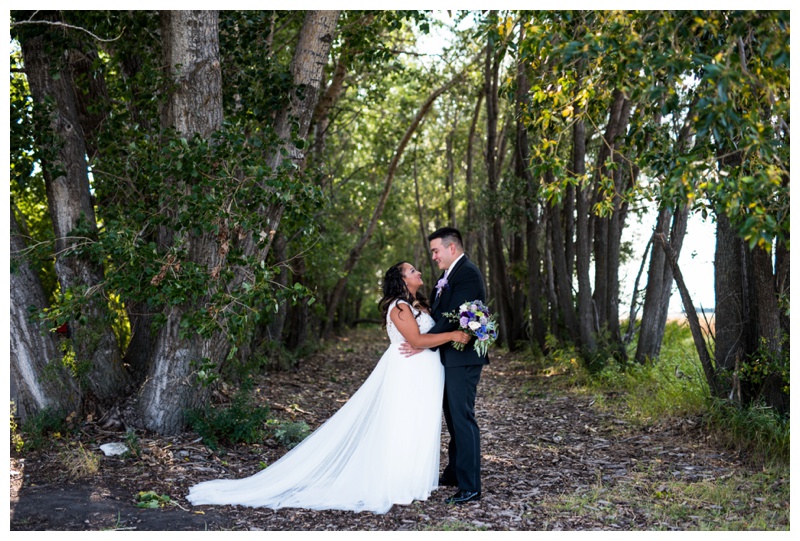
464, 283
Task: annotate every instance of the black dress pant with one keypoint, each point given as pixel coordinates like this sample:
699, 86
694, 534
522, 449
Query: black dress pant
464, 449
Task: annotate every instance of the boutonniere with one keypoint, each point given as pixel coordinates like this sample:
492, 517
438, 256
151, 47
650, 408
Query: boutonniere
440, 285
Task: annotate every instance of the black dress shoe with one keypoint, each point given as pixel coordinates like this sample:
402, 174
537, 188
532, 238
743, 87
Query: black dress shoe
463, 496
445, 482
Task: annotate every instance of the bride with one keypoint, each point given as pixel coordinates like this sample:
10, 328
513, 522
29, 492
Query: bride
382, 447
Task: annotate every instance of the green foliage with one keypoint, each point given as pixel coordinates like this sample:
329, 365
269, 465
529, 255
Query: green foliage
152, 500
726, 73
674, 385
289, 433
133, 443
243, 421
16, 438
767, 362
760, 433
41, 429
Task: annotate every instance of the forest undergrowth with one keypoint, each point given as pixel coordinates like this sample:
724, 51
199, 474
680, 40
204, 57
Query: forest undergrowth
561, 450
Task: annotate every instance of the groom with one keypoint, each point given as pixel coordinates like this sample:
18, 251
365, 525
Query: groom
460, 282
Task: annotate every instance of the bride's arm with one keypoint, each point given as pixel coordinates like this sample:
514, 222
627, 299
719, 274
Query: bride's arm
407, 325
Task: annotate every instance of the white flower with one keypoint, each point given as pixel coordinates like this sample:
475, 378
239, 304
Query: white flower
474, 325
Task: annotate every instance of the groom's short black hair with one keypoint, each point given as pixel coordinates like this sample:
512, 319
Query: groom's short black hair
448, 235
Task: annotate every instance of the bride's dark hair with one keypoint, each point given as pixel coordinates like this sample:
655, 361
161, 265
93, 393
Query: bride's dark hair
394, 288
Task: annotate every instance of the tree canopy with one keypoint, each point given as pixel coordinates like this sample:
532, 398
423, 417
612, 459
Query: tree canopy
194, 192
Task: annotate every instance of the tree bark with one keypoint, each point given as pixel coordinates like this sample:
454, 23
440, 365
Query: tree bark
612, 226
39, 380
659, 285
293, 122
563, 280
194, 107
769, 326
601, 248
532, 222
730, 303
67, 183
450, 186
498, 272
472, 233
583, 242
659, 275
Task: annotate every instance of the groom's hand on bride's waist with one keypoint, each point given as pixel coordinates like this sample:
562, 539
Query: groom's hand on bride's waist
407, 350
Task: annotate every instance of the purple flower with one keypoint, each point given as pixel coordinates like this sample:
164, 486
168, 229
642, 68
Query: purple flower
440, 285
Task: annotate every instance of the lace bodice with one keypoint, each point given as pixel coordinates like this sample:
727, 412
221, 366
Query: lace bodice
424, 321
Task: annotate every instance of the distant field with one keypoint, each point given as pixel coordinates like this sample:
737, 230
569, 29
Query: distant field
707, 319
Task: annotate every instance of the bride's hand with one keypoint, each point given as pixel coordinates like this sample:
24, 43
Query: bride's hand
407, 350
461, 336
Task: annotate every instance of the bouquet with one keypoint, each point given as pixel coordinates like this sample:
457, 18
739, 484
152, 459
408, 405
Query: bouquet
474, 318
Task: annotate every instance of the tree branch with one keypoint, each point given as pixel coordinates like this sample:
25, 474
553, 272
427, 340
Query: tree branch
65, 25
691, 313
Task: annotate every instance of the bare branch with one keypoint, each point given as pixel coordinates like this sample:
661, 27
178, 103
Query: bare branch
65, 25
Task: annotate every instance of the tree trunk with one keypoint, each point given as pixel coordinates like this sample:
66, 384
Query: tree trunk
711, 373
769, 328
67, 183
298, 315
532, 225
623, 181
194, 107
729, 310
472, 233
450, 187
292, 123
601, 226
659, 285
563, 280
498, 272
39, 380
659, 275
421, 216
321, 119
583, 243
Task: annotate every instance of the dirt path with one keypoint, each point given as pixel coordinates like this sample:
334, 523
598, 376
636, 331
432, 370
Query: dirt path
539, 446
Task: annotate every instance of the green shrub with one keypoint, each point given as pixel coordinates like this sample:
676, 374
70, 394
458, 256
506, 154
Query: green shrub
289, 434
40, 429
243, 421
757, 431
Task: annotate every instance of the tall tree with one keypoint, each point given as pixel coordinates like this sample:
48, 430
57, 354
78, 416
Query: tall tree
63, 162
501, 292
194, 109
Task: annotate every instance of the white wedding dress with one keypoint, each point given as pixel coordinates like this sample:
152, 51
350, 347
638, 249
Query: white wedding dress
381, 448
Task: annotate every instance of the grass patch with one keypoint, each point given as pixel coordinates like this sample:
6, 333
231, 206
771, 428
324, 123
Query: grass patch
78, 462
757, 432
672, 386
738, 502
